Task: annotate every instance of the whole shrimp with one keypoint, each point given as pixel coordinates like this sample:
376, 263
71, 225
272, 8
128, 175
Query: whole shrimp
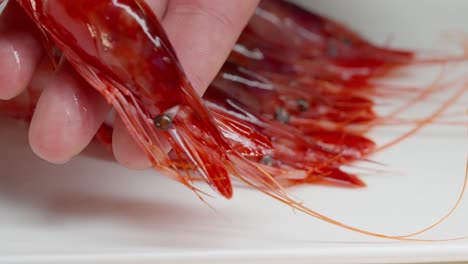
121, 50
119, 47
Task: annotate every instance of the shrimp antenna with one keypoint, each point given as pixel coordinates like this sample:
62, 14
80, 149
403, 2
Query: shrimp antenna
409, 237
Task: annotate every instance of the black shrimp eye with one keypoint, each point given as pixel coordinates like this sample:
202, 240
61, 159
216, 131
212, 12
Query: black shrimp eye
303, 105
162, 122
267, 160
281, 115
347, 41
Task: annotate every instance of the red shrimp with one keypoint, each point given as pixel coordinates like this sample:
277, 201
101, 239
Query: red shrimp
260, 59
279, 96
313, 35
238, 93
120, 48
293, 132
297, 157
315, 44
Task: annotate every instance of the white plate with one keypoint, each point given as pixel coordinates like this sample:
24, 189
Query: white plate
94, 211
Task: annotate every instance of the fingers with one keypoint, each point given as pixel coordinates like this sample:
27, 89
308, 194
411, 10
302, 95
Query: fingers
67, 117
68, 112
20, 51
204, 32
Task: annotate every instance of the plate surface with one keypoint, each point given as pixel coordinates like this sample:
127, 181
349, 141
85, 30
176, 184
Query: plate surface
94, 211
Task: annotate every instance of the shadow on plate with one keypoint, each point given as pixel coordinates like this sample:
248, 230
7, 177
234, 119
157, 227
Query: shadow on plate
80, 189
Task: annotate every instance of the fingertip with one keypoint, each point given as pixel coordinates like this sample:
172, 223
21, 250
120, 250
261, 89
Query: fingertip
45, 142
67, 116
46, 136
18, 63
126, 150
20, 52
47, 150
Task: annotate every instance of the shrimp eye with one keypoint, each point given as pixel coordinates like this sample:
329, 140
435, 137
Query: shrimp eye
267, 160
303, 105
281, 115
347, 41
162, 122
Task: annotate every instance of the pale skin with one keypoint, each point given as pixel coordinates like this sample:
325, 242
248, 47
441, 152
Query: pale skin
69, 112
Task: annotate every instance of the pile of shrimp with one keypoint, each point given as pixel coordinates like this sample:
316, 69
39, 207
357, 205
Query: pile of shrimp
278, 114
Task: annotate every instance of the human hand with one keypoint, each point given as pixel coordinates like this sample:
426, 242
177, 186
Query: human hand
69, 111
